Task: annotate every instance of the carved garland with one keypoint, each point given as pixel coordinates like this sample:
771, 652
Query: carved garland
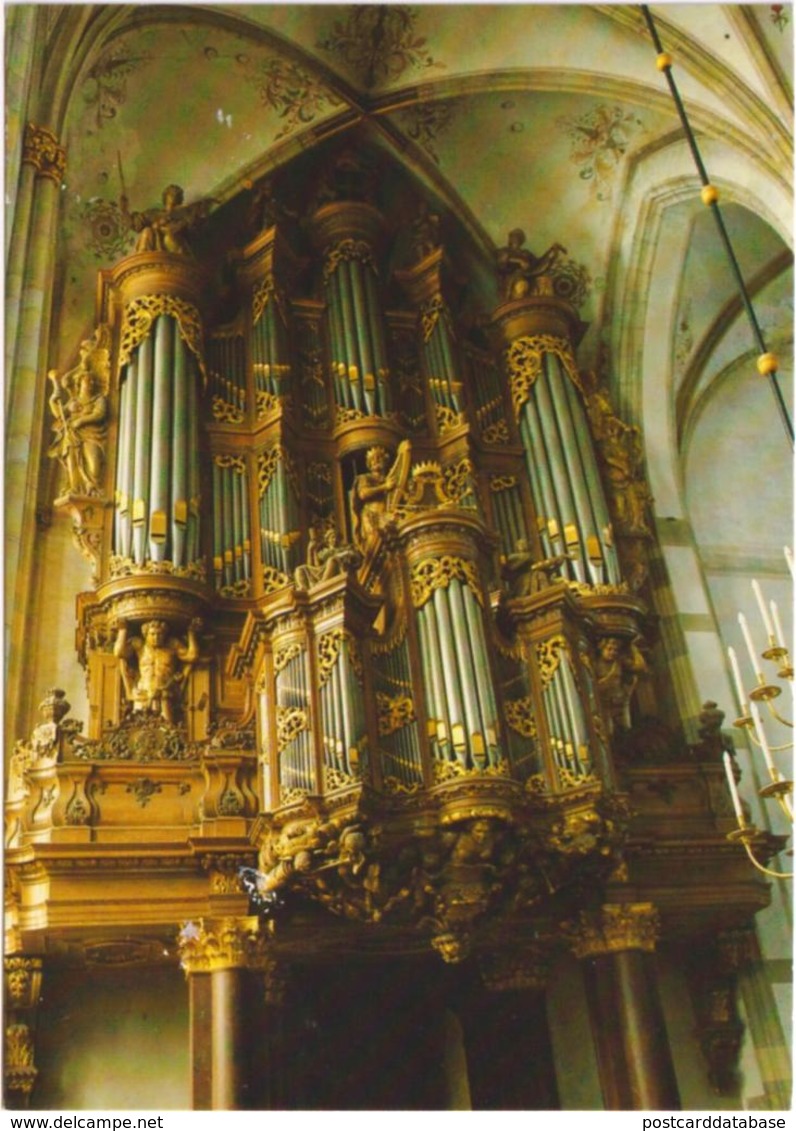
141, 313
447, 418
433, 573
290, 722
524, 364
237, 463
519, 716
499, 483
267, 463
260, 298
458, 479
226, 413
548, 655
345, 251
283, 655
394, 712
329, 651
430, 314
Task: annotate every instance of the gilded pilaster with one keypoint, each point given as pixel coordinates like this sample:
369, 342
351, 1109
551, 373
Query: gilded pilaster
228, 943
223, 949
616, 927
42, 150
22, 990
615, 945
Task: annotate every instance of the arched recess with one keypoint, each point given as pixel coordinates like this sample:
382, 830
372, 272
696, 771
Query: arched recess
709, 476
651, 242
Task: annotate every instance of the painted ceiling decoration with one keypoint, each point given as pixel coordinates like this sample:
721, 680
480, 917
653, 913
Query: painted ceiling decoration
569, 101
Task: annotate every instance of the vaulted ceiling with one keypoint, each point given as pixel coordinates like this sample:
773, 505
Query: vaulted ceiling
550, 117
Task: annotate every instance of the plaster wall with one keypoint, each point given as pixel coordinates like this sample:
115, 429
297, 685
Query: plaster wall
114, 1038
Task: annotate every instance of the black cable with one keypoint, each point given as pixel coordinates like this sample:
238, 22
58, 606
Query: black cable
710, 197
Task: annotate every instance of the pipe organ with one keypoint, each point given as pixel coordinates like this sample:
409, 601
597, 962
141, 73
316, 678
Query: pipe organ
370, 619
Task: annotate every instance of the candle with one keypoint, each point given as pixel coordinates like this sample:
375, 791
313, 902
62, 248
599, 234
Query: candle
761, 738
737, 677
789, 559
736, 800
749, 645
780, 635
763, 610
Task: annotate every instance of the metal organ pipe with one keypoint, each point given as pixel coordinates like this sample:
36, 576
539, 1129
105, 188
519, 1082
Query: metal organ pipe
181, 457
559, 469
143, 437
161, 438
538, 464
585, 445
586, 521
125, 459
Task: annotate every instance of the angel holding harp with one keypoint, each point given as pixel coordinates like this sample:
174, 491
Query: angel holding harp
79, 403
377, 491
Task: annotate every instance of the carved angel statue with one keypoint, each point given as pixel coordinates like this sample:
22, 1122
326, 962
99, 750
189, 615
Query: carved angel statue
619, 665
326, 557
520, 268
377, 492
166, 228
79, 404
156, 682
622, 452
424, 231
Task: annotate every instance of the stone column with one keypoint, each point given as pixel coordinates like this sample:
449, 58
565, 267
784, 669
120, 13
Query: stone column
739, 951
615, 945
216, 954
31, 272
507, 1038
22, 988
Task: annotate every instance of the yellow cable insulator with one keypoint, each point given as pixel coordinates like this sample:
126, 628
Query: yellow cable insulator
767, 363
709, 194
663, 61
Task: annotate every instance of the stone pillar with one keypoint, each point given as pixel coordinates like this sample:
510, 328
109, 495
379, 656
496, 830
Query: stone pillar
31, 276
739, 951
507, 1038
272, 1068
454, 1063
201, 1012
216, 954
615, 945
22, 988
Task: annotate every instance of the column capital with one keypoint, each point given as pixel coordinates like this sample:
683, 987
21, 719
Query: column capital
41, 148
227, 943
528, 969
615, 927
22, 981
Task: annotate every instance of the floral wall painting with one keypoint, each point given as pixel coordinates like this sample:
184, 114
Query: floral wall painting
425, 122
379, 42
296, 95
600, 140
105, 87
